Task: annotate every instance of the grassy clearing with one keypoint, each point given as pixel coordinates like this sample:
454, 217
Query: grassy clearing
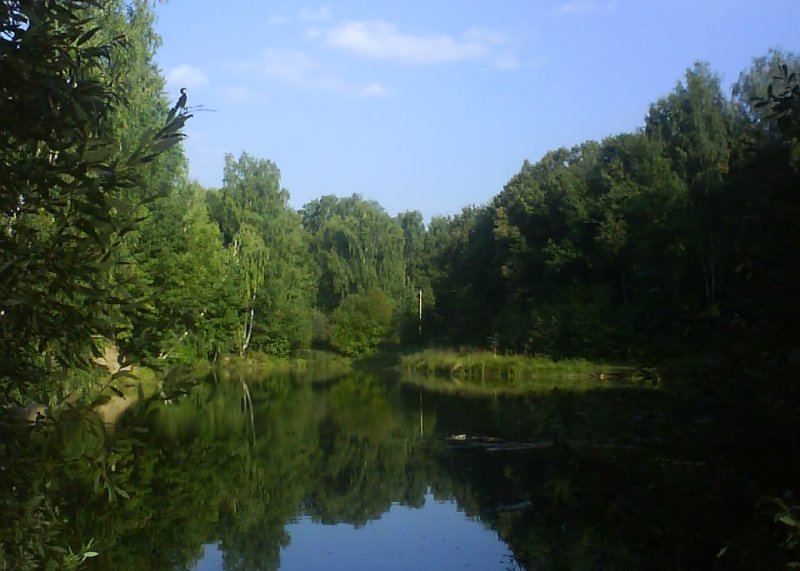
485, 372
314, 360
310, 365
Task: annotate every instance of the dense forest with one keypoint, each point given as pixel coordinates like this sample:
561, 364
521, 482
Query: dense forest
678, 241
677, 238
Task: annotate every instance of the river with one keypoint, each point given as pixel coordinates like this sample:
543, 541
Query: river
361, 472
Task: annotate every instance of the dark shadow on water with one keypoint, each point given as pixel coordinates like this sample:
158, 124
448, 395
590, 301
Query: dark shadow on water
624, 478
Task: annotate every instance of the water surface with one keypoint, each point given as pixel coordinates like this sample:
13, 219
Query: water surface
245, 473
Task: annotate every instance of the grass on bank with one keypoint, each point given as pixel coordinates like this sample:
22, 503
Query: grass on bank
484, 371
311, 364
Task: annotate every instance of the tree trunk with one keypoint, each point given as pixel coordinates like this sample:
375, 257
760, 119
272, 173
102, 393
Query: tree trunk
249, 320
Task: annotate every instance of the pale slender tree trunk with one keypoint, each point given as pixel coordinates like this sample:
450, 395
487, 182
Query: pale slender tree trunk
247, 402
249, 320
165, 354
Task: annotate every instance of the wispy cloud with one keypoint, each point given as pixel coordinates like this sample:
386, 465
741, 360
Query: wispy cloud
582, 7
315, 15
375, 90
304, 15
187, 76
383, 41
298, 69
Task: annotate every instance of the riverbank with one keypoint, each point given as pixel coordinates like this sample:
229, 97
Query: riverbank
486, 372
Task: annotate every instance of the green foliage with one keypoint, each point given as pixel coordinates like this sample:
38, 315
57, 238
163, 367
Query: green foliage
361, 323
273, 267
68, 198
643, 244
357, 246
83, 133
586, 323
459, 250
753, 98
191, 289
787, 513
782, 98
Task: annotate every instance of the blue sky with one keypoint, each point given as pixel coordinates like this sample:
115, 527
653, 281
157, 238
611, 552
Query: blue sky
433, 105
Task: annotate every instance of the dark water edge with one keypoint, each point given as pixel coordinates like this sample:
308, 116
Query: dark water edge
240, 472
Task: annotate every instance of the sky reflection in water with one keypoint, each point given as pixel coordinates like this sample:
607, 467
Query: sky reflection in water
436, 536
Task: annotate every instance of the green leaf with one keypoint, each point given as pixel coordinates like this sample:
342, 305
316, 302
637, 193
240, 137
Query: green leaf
119, 204
88, 36
79, 111
165, 143
97, 154
789, 520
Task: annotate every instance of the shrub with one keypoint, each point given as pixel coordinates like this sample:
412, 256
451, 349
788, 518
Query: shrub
361, 322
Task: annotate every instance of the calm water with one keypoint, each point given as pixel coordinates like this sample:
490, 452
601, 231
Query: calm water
240, 473
436, 535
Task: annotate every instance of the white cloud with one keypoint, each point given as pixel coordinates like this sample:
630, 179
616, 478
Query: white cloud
305, 15
187, 76
581, 7
298, 69
321, 13
382, 40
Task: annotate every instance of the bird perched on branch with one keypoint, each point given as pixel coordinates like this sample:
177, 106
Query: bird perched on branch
181, 103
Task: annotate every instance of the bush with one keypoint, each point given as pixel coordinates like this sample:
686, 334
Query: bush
361, 322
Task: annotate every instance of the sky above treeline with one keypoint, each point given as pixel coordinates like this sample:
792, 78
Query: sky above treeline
433, 105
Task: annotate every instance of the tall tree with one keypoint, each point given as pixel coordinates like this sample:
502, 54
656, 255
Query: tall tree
65, 204
266, 238
190, 281
766, 82
357, 247
694, 124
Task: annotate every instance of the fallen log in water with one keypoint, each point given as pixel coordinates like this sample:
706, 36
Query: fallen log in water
494, 444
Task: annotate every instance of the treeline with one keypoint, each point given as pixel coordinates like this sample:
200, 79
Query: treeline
678, 238
681, 236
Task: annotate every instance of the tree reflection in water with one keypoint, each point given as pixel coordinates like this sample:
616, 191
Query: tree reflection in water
567, 481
